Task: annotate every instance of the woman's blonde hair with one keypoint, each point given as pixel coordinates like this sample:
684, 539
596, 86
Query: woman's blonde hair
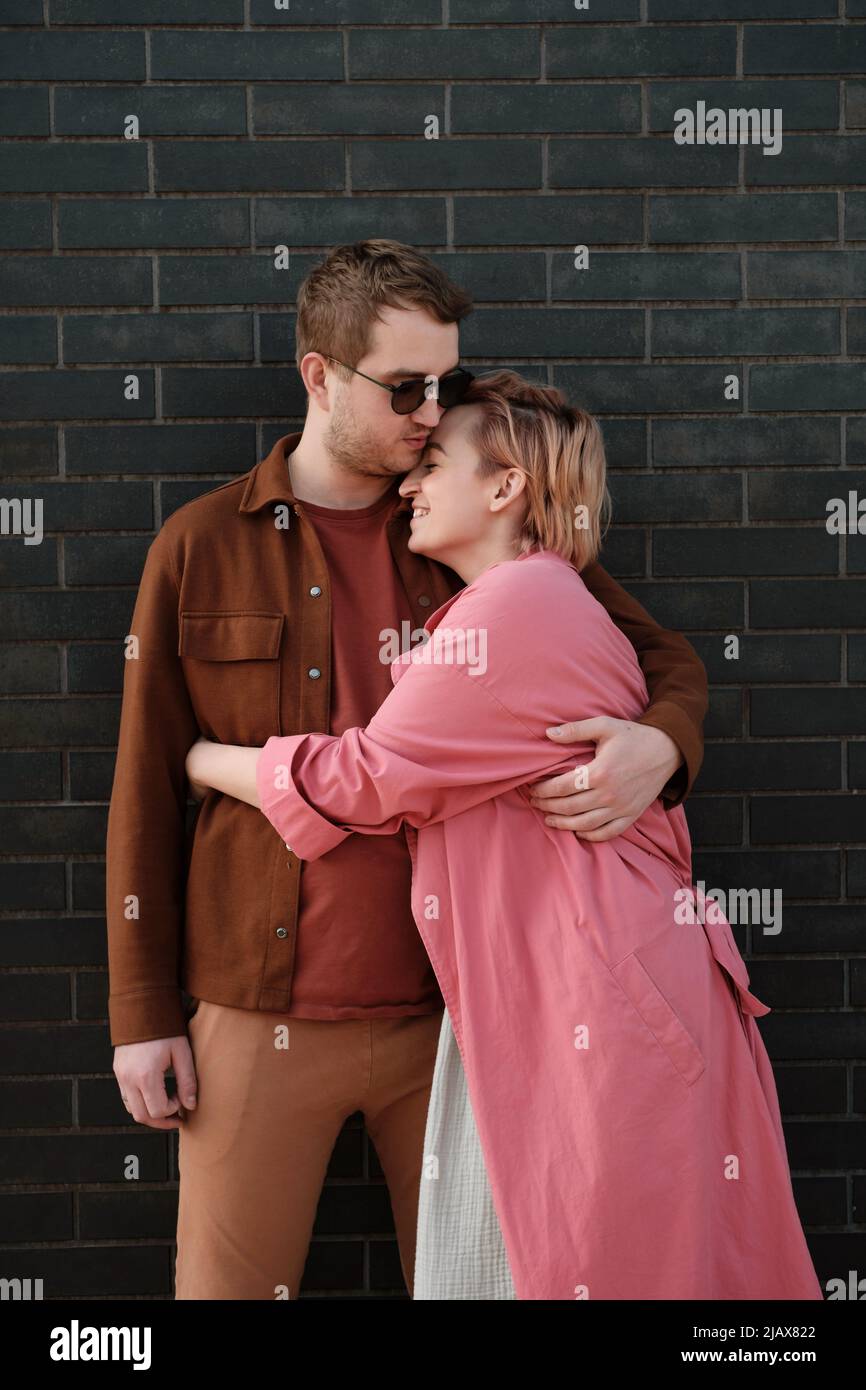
559, 449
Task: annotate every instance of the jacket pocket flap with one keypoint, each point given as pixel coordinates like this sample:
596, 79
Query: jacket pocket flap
230, 636
724, 948
659, 1016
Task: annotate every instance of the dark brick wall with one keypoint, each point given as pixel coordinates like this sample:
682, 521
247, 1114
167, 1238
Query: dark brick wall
155, 256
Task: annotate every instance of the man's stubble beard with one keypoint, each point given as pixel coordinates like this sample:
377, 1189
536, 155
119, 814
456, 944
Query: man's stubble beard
356, 449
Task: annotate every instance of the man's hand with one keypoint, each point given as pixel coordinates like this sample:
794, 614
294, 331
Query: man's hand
140, 1070
631, 765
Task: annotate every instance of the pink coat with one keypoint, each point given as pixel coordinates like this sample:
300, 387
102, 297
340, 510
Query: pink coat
623, 1094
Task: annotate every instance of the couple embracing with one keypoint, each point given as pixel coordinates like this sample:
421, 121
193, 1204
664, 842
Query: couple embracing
404, 892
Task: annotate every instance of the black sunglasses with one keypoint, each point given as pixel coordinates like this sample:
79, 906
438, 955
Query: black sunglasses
410, 395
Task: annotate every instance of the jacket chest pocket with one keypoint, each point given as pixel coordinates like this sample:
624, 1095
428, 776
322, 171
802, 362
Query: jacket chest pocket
641, 977
231, 663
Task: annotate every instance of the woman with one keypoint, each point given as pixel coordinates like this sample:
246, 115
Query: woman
625, 1105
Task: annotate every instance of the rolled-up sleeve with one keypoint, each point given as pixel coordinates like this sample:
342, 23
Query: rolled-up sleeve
440, 744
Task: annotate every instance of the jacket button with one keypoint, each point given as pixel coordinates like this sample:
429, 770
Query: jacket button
314, 673
281, 931
424, 600
315, 591
289, 848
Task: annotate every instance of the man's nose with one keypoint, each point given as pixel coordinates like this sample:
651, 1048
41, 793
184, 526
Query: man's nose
429, 413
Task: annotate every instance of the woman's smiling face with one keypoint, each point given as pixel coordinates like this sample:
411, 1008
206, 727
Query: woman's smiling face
459, 518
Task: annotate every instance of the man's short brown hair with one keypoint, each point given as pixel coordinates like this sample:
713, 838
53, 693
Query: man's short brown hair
338, 302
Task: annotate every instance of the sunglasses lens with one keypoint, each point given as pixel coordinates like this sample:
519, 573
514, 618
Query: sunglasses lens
453, 388
408, 396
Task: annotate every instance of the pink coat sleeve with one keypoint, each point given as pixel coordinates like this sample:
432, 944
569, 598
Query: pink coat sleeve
439, 744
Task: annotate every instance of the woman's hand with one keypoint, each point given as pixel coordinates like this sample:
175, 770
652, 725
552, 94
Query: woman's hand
198, 789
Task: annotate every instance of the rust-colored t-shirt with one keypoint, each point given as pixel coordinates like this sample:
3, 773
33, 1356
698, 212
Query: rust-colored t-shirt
358, 951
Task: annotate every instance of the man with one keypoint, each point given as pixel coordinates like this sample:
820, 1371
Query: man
265, 607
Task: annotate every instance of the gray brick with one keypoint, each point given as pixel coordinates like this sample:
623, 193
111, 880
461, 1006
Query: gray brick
21, 12
799, 496
443, 53
745, 550
71, 395
635, 275
245, 57
645, 51
154, 222
639, 163
73, 506
148, 12
812, 159
811, 712
742, 9
812, 48
54, 56
160, 110
553, 333
90, 558
311, 12
855, 216
25, 224
26, 280
238, 391
533, 220
216, 279
244, 166
746, 332
817, 603
652, 497
731, 443
29, 670
807, 105
27, 566
158, 338
742, 217
541, 110
825, 385
34, 166
23, 111
647, 388
28, 338
772, 657
537, 11
305, 221
133, 449
459, 163
332, 108
855, 104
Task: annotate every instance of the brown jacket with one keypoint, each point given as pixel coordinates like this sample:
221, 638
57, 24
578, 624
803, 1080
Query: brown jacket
231, 633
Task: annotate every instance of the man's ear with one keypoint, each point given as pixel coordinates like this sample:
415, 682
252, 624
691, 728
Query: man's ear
313, 369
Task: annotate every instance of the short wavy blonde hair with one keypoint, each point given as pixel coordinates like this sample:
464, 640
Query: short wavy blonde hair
559, 449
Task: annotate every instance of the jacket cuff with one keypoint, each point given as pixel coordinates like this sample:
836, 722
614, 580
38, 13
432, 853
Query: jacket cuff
144, 1014
672, 720
306, 833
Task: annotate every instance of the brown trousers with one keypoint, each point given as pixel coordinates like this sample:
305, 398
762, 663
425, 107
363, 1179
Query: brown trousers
273, 1094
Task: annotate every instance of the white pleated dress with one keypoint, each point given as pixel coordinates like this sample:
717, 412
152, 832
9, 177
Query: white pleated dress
460, 1253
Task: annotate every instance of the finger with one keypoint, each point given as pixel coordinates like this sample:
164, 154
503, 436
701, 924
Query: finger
591, 820
184, 1073
159, 1104
581, 730
562, 784
606, 832
575, 804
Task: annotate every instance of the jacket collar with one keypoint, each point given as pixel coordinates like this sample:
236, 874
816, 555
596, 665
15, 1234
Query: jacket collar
269, 481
